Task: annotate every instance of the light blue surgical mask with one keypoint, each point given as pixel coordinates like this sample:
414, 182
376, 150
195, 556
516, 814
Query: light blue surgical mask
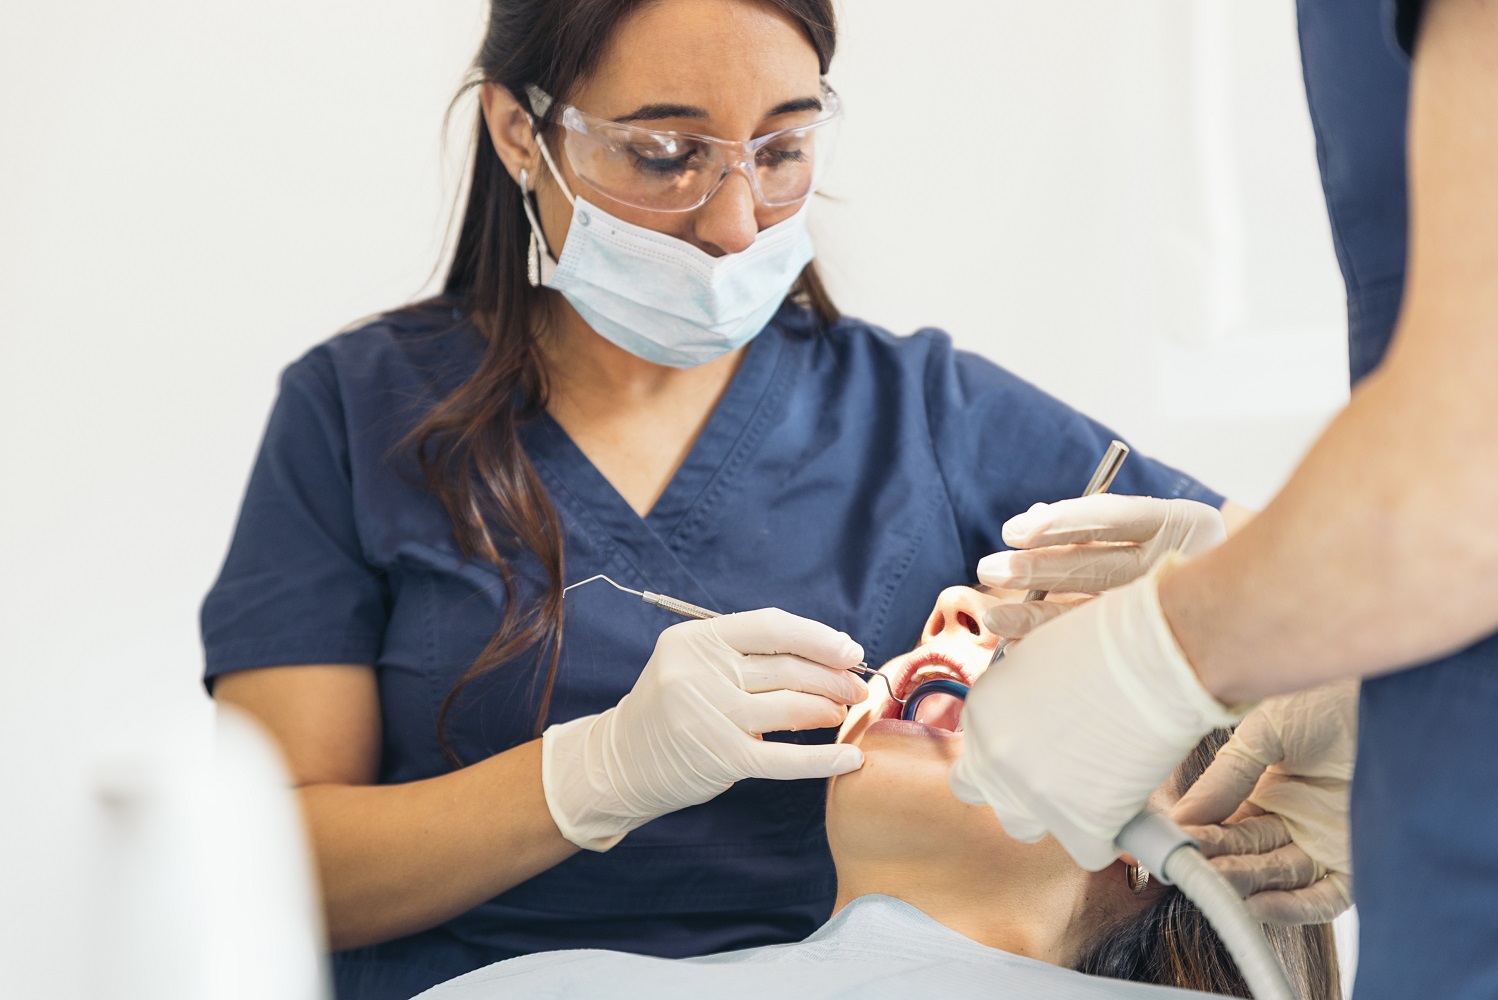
661, 298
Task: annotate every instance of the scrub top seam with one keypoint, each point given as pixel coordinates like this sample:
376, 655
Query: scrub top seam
737, 456
897, 576
610, 550
941, 470
431, 648
644, 544
1339, 238
675, 514
582, 520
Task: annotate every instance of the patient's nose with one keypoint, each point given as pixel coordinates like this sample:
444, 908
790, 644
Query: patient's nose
958, 615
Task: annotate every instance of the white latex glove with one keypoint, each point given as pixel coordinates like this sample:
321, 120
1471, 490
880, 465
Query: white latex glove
1271, 811
1017, 619
1077, 725
1096, 543
690, 727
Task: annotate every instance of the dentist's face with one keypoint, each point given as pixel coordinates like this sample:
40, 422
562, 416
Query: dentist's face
709, 67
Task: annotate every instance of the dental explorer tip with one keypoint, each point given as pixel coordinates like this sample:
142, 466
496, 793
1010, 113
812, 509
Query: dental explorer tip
605, 579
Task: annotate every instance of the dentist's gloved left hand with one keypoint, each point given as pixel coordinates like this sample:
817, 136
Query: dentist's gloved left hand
1095, 543
691, 725
1078, 724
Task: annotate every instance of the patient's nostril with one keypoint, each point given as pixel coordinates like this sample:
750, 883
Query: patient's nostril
936, 624
968, 622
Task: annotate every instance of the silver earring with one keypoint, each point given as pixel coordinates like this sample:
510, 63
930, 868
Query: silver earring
533, 251
1138, 876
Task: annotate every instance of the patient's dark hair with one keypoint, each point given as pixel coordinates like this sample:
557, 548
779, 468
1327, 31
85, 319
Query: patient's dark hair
1171, 944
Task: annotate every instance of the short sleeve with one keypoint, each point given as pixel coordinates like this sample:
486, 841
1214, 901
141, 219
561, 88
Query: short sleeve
295, 587
1003, 444
1407, 23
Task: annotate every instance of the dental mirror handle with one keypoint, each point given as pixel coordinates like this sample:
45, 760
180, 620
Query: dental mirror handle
683, 608
1102, 478
689, 610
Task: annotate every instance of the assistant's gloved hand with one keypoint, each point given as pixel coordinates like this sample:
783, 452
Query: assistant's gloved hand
1096, 543
1077, 725
690, 727
1271, 811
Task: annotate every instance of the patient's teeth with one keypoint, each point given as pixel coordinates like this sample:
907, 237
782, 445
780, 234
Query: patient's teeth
933, 672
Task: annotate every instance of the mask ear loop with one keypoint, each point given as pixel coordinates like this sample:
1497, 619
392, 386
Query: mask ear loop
540, 263
551, 164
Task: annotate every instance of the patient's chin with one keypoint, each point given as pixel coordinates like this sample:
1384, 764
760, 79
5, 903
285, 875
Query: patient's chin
899, 805
903, 763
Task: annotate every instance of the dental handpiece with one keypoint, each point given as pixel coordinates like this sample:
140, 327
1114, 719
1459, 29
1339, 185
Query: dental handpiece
689, 610
1102, 478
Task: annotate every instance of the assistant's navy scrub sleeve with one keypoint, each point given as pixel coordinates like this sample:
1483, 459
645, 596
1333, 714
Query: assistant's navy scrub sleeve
1425, 793
847, 475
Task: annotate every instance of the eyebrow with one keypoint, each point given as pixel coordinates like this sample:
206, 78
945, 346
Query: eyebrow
659, 112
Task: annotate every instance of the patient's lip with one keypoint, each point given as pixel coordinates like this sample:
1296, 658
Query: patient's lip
899, 725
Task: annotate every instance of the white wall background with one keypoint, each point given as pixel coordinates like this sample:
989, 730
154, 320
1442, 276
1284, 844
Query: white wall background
1117, 201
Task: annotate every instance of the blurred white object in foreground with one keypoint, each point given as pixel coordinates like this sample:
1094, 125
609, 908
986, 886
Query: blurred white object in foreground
205, 889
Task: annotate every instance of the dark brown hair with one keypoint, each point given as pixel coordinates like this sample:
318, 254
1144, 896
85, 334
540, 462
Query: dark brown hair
1171, 943
468, 446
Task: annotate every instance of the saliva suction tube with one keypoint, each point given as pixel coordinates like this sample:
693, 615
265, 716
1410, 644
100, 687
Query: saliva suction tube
1173, 858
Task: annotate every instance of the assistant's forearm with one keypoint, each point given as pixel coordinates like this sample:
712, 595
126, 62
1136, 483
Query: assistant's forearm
1381, 551
396, 859
1378, 553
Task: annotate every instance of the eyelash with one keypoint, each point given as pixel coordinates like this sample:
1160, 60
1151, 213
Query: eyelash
662, 165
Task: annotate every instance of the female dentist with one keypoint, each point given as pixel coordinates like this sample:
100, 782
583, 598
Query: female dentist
1377, 560
634, 371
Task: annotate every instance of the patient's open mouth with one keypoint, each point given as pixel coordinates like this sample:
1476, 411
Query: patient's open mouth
934, 686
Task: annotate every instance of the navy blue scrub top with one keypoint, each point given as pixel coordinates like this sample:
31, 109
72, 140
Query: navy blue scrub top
847, 475
1425, 794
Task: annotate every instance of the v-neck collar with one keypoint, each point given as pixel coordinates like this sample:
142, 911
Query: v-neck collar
652, 544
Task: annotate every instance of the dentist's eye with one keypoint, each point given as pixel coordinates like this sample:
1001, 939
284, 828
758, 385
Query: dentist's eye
664, 165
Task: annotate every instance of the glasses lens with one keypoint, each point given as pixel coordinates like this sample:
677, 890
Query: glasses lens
653, 170
790, 165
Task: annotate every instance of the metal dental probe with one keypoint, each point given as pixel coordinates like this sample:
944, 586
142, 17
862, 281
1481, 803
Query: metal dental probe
689, 610
1102, 478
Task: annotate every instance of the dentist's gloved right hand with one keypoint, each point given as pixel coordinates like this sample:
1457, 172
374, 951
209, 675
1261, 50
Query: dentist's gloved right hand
1092, 544
690, 727
1078, 724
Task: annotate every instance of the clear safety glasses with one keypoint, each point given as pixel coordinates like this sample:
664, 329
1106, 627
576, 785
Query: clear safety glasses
679, 171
